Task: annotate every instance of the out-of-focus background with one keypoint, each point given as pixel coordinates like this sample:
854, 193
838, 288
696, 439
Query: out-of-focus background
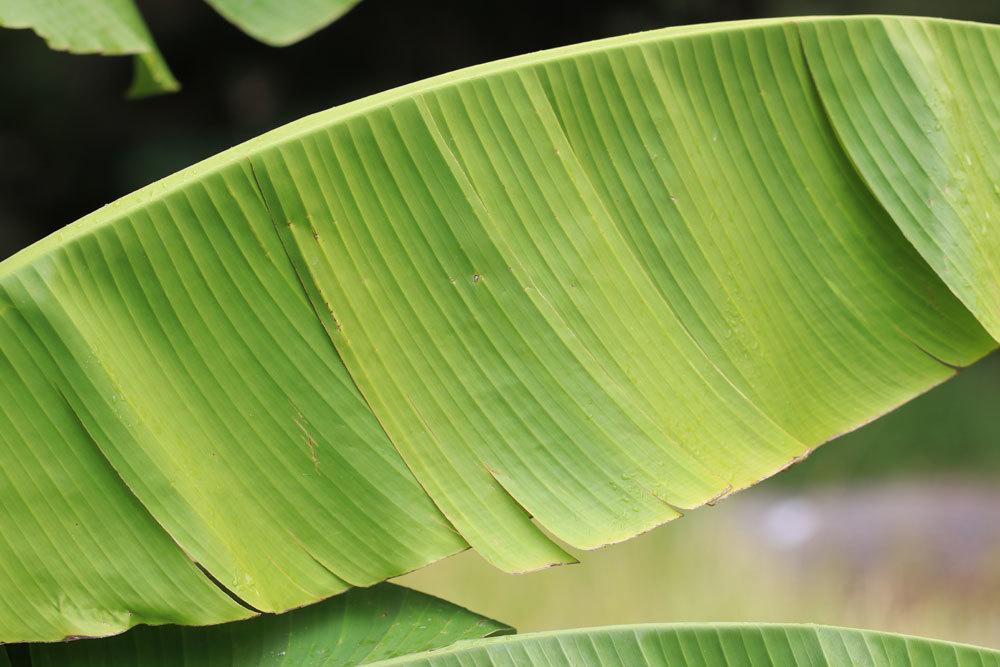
896, 526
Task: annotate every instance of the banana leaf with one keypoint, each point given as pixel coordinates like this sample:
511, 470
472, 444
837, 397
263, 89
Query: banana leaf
565, 297
708, 645
363, 625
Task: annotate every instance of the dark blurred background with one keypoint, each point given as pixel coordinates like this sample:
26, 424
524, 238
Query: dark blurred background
896, 526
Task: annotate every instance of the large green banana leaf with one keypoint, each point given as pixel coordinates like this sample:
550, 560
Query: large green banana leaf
115, 27
363, 625
567, 296
395, 626
705, 645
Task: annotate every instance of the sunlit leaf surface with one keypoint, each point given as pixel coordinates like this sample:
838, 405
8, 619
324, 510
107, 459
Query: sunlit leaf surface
574, 293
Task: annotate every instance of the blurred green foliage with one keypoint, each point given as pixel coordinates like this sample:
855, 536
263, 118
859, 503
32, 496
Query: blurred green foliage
954, 429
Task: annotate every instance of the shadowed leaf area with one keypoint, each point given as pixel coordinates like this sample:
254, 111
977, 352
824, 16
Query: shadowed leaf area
115, 27
363, 625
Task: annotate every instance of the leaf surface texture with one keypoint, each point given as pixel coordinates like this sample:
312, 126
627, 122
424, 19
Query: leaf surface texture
572, 294
708, 645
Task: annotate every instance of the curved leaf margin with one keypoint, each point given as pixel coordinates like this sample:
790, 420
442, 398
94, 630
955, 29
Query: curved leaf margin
722, 644
596, 286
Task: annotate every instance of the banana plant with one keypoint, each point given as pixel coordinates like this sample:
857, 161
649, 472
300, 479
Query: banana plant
363, 625
454, 637
560, 298
115, 28
705, 645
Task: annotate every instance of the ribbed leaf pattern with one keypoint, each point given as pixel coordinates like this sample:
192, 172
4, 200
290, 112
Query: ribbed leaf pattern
696, 645
575, 293
933, 160
78, 554
215, 394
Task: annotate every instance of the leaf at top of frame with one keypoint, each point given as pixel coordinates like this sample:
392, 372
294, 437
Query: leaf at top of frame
562, 297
